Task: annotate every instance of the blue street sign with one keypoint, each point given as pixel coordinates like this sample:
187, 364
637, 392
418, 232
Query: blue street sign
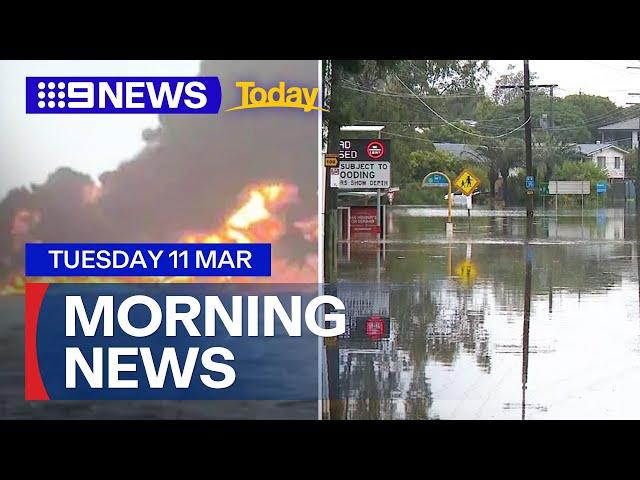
601, 187
530, 182
435, 180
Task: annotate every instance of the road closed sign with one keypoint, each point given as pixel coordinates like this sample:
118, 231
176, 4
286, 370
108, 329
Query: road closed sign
355, 175
365, 149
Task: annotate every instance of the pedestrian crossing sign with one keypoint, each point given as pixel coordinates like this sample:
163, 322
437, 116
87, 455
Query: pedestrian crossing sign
467, 182
467, 272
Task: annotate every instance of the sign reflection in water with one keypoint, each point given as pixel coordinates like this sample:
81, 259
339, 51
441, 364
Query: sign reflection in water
549, 328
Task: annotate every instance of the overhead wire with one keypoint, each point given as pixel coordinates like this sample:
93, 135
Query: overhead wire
453, 125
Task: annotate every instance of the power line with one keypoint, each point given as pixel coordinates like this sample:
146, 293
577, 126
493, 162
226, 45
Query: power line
590, 123
359, 88
452, 125
428, 123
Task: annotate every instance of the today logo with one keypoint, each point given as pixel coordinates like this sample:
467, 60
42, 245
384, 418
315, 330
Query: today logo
280, 96
157, 95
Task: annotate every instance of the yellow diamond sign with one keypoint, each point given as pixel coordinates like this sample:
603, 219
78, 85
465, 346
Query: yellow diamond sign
467, 272
467, 182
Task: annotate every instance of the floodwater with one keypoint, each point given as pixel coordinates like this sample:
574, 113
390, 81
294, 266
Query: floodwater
509, 319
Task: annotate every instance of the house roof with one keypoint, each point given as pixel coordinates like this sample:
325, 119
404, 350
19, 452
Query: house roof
629, 124
459, 149
591, 148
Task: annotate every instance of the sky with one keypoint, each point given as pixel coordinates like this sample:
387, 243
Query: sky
607, 78
33, 146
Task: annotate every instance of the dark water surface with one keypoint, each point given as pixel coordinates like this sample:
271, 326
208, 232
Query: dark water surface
461, 344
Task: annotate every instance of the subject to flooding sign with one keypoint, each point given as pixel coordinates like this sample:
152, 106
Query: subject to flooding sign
365, 174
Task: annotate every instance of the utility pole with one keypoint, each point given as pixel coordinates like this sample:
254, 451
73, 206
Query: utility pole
549, 86
551, 106
527, 133
637, 185
527, 128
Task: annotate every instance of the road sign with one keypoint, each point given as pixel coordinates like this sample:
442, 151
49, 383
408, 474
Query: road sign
394, 189
375, 329
375, 149
530, 182
543, 189
334, 177
435, 180
467, 271
570, 187
330, 159
363, 303
363, 220
467, 182
364, 149
390, 196
355, 175
601, 187
371, 327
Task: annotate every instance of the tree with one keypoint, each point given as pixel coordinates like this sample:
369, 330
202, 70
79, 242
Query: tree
597, 111
503, 155
339, 102
549, 153
630, 161
369, 92
504, 96
423, 162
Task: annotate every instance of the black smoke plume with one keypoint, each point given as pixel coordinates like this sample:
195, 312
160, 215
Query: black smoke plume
187, 177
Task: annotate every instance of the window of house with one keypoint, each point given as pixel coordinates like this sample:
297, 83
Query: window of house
602, 162
616, 161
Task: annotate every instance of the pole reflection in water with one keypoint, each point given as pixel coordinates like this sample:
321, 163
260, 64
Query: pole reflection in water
461, 342
527, 310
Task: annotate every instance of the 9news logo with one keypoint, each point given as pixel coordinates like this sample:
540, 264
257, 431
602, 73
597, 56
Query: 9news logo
166, 95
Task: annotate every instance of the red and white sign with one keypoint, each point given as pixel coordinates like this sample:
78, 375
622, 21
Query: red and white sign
374, 328
364, 221
375, 149
334, 177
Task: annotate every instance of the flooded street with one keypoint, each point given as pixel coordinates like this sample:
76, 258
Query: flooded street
475, 334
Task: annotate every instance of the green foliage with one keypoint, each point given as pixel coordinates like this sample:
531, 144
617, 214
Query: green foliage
369, 92
515, 186
422, 163
449, 134
551, 153
580, 171
413, 194
597, 111
503, 96
630, 164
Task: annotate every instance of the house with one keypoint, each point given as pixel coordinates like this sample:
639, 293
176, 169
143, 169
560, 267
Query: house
607, 156
623, 134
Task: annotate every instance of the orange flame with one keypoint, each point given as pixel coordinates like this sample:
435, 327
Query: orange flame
259, 218
255, 220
